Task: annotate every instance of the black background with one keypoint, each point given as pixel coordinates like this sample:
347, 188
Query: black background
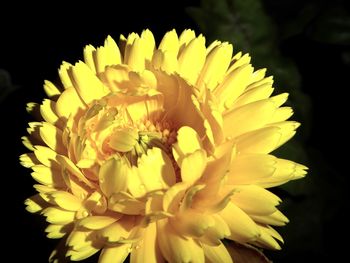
35, 39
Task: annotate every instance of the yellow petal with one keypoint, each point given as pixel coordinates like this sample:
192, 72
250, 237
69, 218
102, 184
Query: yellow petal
66, 200
238, 61
47, 176
266, 240
46, 156
35, 203
48, 112
115, 254
82, 254
233, 85
89, 57
255, 200
186, 36
193, 165
285, 171
65, 74
217, 254
73, 169
259, 93
263, 140
188, 142
192, 223
170, 42
147, 248
57, 231
251, 168
276, 219
215, 67
50, 89
137, 56
69, 103
173, 196
125, 203
192, 59
287, 130
214, 234
113, 176
242, 227
154, 171
52, 136
88, 86
126, 45
248, 117
119, 230
97, 222
282, 114
148, 44
28, 160
176, 248
107, 55
58, 216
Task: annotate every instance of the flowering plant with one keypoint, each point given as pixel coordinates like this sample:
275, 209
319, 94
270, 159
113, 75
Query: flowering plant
160, 152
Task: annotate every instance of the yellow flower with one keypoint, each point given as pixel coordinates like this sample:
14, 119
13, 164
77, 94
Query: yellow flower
159, 152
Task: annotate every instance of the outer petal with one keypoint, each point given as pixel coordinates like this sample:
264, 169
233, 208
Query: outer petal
176, 248
242, 227
147, 248
255, 200
217, 254
115, 254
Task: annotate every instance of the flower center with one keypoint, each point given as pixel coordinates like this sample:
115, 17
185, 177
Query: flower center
106, 130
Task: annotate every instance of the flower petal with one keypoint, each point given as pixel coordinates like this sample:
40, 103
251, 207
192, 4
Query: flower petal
263, 140
242, 227
255, 200
97, 222
251, 168
193, 165
217, 254
192, 59
154, 171
248, 117
147, 248
88, 86
176, 248
115, 254
113, 176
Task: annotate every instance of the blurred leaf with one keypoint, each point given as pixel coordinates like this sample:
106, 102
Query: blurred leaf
332, 26
245, 253
6, 86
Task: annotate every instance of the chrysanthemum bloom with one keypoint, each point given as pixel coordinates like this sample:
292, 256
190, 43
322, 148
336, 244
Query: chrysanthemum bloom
159, 152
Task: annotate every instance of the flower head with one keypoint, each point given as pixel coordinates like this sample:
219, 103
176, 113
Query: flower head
159, 152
